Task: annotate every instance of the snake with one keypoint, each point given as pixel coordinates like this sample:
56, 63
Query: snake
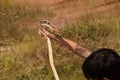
49, 27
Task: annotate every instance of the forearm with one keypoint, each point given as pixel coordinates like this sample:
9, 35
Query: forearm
71, 45
74, 47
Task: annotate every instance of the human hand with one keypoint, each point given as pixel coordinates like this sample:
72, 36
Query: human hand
45, 33
47, 29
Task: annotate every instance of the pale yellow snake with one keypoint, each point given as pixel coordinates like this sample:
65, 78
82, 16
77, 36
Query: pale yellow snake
50, 52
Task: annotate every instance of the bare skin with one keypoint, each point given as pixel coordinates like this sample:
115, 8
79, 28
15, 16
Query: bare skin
71, 45
74, 47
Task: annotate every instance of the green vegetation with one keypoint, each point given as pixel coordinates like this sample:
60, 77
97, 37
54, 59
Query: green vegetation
15, 15
96, 31
23, 55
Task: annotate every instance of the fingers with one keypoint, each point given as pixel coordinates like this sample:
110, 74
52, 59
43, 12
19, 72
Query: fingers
42, 35
44, 38
43, 32
41, 28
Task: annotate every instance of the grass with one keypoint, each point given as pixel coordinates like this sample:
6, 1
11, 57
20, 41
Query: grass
14, 15
25, 55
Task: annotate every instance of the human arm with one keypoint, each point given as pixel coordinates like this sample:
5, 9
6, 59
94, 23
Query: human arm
71, 45
74, 47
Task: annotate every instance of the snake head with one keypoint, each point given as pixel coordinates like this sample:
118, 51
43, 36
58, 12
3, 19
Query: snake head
45, 22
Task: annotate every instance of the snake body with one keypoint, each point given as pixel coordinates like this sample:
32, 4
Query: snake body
48, 27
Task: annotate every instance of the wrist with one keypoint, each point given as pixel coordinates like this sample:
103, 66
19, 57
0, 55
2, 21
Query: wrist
58, 37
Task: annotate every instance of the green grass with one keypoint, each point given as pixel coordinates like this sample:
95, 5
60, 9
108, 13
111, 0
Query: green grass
14, 16
25, 56
95, 31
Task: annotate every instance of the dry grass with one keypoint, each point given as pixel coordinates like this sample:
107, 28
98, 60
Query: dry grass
25, 55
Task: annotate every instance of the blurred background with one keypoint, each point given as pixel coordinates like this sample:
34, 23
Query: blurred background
23, 54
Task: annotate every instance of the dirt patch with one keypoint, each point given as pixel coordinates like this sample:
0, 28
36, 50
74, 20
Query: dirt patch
68, 11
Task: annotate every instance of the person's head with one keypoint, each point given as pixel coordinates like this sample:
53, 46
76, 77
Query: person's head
103, 64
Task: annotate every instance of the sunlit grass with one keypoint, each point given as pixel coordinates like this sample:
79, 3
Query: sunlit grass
28, 59
14, 15
25, 55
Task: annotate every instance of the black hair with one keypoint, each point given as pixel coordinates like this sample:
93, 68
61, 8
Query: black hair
103, 63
